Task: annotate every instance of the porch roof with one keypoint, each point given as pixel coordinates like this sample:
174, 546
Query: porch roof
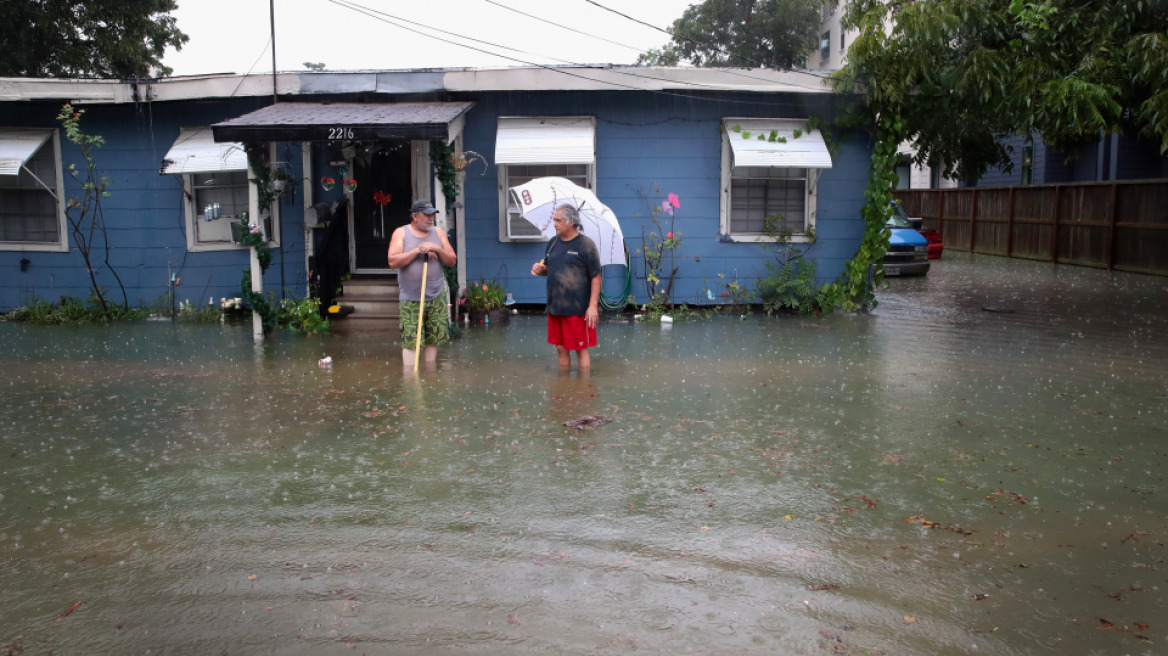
295, 121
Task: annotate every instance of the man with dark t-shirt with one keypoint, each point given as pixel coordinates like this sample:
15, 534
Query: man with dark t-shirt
572, 267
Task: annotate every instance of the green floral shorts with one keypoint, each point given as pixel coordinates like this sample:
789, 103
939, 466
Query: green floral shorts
435, 330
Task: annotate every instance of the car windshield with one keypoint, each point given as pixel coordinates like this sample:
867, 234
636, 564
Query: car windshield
898, 219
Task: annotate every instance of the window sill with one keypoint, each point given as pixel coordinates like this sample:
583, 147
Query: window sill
763, 239
32, 246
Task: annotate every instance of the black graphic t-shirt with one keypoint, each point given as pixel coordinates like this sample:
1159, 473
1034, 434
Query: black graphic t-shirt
571, 267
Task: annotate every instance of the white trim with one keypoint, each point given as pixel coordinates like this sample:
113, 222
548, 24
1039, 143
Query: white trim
195, 151
62, 243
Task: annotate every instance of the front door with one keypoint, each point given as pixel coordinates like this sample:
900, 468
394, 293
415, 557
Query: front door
381, 203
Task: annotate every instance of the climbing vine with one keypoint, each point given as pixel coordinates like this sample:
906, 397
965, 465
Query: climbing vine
256, 239
441, 158
855, 289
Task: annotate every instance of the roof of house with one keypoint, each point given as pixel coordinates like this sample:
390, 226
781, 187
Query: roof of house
548, 78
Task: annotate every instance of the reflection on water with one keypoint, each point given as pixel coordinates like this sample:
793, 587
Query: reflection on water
933, 478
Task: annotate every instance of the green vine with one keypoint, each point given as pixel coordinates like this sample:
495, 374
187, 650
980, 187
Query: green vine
258, 164
855, 289
440, 157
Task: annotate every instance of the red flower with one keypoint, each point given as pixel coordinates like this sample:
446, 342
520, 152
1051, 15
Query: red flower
670, 235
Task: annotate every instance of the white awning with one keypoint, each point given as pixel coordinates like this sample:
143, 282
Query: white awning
545, 140
18, 146
773, 142
195, 151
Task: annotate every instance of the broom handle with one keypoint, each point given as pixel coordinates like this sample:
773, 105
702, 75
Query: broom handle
421, 315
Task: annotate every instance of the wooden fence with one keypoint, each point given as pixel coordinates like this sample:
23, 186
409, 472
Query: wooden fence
1119, 225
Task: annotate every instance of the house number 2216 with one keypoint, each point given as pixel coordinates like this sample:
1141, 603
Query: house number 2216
340, 133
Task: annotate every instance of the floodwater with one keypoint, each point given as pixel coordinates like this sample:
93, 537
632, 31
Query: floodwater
976, 467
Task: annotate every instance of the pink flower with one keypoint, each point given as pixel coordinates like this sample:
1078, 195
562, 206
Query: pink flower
485, 288
670, 235
674, 201
666, 207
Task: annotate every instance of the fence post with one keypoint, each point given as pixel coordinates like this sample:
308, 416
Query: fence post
972, 219
941, 219
1010, 226
1110, 245
1054, 225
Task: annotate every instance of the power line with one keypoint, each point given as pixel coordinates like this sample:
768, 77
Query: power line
695, 41
439, 36
570, 29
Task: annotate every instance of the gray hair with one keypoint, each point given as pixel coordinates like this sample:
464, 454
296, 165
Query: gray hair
571, 213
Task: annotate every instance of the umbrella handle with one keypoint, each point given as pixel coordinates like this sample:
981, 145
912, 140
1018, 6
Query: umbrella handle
421, 315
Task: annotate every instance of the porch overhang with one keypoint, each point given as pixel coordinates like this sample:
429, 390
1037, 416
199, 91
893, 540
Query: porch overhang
294, 121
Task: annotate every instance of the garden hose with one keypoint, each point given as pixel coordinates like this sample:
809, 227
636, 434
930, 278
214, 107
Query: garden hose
621, 300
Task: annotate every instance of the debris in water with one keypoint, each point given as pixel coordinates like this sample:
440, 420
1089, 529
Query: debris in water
75, 606
587, 421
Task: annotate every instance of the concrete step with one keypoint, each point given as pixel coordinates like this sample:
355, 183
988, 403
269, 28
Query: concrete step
361, 288
375, 306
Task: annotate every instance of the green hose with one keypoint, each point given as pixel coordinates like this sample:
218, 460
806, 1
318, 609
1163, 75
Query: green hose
621, 300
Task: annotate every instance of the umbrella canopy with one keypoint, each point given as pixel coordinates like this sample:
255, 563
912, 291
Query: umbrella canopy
537, 201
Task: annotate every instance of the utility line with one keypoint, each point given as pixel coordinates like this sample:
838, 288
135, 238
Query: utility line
570, 29
695, 41
390, 18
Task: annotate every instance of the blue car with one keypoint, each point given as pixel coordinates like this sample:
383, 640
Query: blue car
908, 250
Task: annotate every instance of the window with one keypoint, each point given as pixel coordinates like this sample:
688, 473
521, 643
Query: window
1027, 164
770, 170
533, 147
214, 175
824, 48
843, 40
903, 170
758, 192
31, 185
517, 174
228, 189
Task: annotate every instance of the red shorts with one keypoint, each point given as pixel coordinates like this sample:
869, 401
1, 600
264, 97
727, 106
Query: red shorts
570, 332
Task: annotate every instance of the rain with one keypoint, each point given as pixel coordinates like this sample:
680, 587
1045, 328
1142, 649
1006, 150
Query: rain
974, 467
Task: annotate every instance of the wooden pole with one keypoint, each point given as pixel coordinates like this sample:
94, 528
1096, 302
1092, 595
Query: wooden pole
1110, 240
421, 315
1054, 223
1010, 226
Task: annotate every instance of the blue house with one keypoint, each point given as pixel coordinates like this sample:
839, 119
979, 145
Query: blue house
345, 153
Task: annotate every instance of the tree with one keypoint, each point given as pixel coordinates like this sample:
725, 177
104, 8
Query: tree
747, 33
94, 38
966, 74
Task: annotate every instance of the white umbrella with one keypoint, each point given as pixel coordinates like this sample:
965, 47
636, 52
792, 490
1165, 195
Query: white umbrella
537, 201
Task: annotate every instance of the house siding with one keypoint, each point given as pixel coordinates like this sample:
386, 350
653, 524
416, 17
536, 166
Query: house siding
648, 145
144, 213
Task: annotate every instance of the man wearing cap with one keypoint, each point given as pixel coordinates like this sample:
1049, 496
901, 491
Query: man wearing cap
412, 244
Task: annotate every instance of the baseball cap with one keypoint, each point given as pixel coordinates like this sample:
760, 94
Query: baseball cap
423, 206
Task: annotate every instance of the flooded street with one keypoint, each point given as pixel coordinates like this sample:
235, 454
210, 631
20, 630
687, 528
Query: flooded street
976, 467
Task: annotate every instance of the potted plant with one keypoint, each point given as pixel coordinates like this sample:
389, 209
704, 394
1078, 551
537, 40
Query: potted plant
485, 299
